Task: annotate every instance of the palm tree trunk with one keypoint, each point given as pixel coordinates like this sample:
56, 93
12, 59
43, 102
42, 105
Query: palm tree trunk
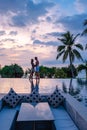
70, 86
71, 66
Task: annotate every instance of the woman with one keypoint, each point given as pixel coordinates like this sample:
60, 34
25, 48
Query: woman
32, 69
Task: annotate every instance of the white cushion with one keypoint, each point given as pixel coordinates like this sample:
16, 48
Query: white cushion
55, 99
34, 97
12, 98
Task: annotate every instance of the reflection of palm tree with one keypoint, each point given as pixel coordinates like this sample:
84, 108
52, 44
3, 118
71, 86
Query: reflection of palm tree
64, 87
83, 67
83, 84
68, 49
71, 88
72, 91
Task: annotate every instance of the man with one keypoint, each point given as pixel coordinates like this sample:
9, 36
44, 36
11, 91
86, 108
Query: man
37, 68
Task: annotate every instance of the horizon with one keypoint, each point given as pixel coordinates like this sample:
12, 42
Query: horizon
30, 28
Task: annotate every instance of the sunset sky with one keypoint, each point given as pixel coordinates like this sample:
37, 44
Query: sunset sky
30, 28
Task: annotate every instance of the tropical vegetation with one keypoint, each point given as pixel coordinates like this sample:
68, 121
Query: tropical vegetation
12, 71
83, 67
68, 49
54, 72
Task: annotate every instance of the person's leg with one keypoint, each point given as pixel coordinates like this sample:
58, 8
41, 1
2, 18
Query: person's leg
38, 75
31, 75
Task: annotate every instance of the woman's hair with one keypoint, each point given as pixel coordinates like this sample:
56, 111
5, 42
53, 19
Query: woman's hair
32, 60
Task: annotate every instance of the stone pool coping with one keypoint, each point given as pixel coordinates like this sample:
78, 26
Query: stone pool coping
77, 111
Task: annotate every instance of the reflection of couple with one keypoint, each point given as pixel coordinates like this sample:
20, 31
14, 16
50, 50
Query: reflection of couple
35, 68
34, 87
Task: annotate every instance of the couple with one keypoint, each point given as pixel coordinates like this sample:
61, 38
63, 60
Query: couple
35, 68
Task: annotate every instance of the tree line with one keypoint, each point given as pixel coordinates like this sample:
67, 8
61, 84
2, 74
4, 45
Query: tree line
16, 71
58, 72
11, 71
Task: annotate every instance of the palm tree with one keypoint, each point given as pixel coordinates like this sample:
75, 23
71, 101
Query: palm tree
68, 49
83, 67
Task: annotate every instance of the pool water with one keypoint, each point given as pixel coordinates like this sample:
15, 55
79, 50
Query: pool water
22, 85
46, 86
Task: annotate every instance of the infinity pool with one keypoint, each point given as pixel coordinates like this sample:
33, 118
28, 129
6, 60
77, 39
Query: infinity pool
21, 85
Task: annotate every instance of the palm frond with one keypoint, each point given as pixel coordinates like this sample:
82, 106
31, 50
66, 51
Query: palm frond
84, 32
59, 54
77, 54
63, 40
85, 22
75, 37
81, 67
60, 48
79, 46
66, 38
65, 55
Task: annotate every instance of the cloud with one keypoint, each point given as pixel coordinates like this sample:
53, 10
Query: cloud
49, 43
48, 19
2, 55
19, 21
8, 39
30, 14
73, 23
19, 46
13, 33
12, 5
54, 34
81, 5
2, 33
1, 44
23, 12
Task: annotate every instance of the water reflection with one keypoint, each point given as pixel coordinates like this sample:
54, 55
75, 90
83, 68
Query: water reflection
44, 86
83, 86
79, 91
34, 86
71, 89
